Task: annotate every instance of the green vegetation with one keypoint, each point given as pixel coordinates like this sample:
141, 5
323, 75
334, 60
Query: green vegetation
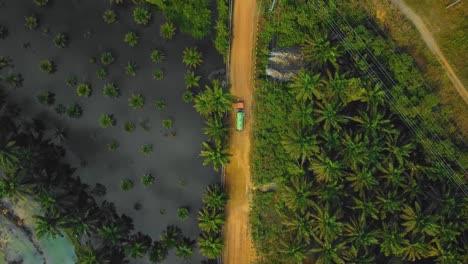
46, 98
157, 56
129, 127
167, 123
131, 38
147, 149
192, 57
113, 146
188, 96
191, 80
31, 22
83, 90
109, 16
71, 81
126, 185
13, 80
147, 180
141, 15
351, 181
107, 121
47, 66
107, 58
222, 38
131, 68
111, 90
74, 111
41, 2
158, 74
184, 249
160, 104
167, 30
447, 27
5, 62
183, 213
61, 40
137, 101
101, 73
193, 17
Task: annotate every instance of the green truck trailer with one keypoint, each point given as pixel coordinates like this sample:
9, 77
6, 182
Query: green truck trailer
240, 115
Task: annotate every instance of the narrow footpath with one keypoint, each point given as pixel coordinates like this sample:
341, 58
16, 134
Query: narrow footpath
237, 234
431, 43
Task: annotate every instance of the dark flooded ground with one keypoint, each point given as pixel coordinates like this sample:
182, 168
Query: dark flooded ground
175, 162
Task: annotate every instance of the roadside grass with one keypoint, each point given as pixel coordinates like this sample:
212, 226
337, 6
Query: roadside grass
407, 37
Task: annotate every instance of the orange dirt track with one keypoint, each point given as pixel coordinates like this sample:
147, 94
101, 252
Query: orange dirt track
237, 235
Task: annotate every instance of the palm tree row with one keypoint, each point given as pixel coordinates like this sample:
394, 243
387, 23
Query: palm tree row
355, 186
211, 219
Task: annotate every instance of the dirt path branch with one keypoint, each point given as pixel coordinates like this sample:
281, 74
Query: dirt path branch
237, 235
428, 38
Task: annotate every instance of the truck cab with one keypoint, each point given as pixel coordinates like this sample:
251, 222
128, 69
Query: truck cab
240, 115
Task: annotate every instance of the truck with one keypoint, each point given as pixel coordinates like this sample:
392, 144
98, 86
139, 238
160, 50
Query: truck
240, 115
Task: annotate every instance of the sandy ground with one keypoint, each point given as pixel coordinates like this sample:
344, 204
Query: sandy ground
237, 235
428, 38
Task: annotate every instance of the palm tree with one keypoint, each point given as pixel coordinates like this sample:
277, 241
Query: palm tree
137, 247
325, 169
330, 252
214, 197
374, 96
394, 175
192, 57
305, 86
353, 255
171, 236
48, 225
353, 149
210, 220
297, 194
300, 144
419, 250
15, 185
215, 128
392, 242
158, 252
359, 235
400, 151
47, 201
214, 100
415, 221
301, 225
346, 89
302, 114
374, 123
211, 245
191, 80
86, 254
184, 249
327, 227
328, 113
367, 207
216, 153
293, 252
389, 203
320, 52
109, 233
9, 156
362, 179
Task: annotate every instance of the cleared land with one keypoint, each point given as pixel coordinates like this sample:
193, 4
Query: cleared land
431, 43
238, 243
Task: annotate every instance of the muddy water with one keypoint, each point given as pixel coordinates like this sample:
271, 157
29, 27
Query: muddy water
180, 176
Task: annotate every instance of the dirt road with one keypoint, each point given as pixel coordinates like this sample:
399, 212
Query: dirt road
237, 236
432, 45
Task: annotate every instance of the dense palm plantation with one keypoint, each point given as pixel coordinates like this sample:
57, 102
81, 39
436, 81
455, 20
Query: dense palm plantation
355, 184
